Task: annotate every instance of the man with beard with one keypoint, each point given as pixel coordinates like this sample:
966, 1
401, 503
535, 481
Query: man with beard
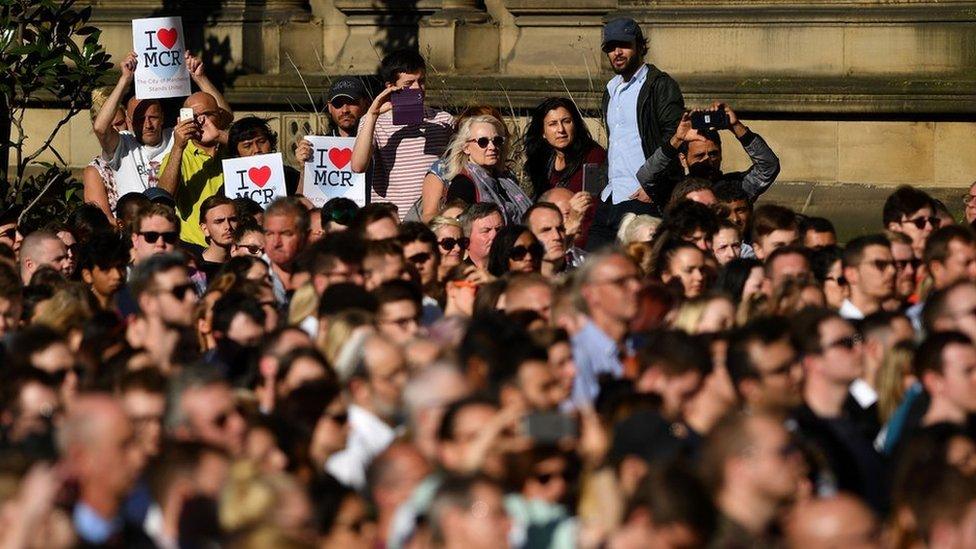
641, 107
218, 219
162, 288
700, 153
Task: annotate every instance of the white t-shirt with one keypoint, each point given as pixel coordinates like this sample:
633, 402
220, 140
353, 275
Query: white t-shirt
136, 165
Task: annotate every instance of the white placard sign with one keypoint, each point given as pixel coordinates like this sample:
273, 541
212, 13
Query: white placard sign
329, 174
161, 70
260, 177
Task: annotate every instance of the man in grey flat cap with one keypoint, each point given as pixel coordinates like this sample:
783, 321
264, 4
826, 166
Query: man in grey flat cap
641, 109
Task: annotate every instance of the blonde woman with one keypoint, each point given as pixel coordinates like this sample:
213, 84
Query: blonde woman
637, 228
476, 168
450, 241
98, 177
705, 315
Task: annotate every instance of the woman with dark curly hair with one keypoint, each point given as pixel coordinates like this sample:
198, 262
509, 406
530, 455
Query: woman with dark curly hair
515, 249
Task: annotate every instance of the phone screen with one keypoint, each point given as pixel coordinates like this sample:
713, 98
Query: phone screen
408, 107
594, 179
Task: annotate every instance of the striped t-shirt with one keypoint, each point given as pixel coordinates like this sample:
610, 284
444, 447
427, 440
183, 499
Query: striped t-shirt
403, 154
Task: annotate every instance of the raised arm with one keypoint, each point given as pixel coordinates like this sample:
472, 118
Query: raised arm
303, 153
105, 132
765, 163
362, 151
195, 66
169, 177
95, 191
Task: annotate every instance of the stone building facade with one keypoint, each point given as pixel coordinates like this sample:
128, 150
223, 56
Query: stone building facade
855, 95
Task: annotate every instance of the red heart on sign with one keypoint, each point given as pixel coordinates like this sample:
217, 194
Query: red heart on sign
167, 37
340, 157
260, 176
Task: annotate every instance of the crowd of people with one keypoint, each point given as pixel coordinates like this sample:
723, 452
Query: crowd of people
521, 340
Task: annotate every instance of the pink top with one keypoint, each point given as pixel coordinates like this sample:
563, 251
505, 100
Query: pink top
403, 154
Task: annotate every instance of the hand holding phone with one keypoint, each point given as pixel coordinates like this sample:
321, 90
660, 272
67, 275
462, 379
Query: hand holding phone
408, 106
710, 120
186, 113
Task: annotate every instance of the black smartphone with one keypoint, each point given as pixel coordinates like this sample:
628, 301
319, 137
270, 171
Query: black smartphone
709, 120
408, 107
594, 179
548, 428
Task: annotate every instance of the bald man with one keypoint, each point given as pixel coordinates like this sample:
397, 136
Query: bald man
40, 249
576, 210
99, 449
839, 522
198, 173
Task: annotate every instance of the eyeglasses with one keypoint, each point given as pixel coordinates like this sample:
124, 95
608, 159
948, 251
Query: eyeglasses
151, 237
448, 243
882, 264
252, 249
419, 258
518, 253
848, 342
920, 221
179, 291
900, 264
498, 141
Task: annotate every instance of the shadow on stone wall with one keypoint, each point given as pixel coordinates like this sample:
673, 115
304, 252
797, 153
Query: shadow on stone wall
216, 53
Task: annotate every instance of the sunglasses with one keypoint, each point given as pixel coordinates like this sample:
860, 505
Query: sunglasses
882, 264
498, 141
848, 342
419, 258
518, 253
339, 418
900, 264
151, 237
920, 221
180, 291
252, 249
449, 243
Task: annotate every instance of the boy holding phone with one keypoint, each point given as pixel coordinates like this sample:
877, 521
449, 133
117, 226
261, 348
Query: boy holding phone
399, 133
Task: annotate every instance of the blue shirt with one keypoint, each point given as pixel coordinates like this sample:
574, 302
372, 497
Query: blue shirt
625, 154
91, 527
595, 354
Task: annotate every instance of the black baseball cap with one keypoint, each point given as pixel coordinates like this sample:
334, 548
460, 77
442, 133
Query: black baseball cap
348, 86
158, 195
621, 29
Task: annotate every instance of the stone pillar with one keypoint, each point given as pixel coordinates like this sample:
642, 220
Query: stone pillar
461, 37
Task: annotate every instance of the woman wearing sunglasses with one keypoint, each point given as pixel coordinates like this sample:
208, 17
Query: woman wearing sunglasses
476, 168
450, 242
515, 249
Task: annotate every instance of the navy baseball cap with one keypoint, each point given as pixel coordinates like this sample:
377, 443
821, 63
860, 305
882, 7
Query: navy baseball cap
621, 29
158, 195
348, 86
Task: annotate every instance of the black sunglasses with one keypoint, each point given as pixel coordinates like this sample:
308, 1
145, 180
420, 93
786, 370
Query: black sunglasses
151, 237
900, 264
419, 258
449, 243
882, 264
252, 249
920, 221
498, 141
518, 253
340, 418
179, 292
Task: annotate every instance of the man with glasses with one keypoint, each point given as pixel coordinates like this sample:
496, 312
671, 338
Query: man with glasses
906, 265
910, 211
193, 170
218, 219
201, 407
832, 358
870, 273
156, 230
166, 298
42, 249
763, 366
607, 285
641, 109
399, 311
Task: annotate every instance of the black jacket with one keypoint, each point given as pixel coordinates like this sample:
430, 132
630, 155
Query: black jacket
659, 109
